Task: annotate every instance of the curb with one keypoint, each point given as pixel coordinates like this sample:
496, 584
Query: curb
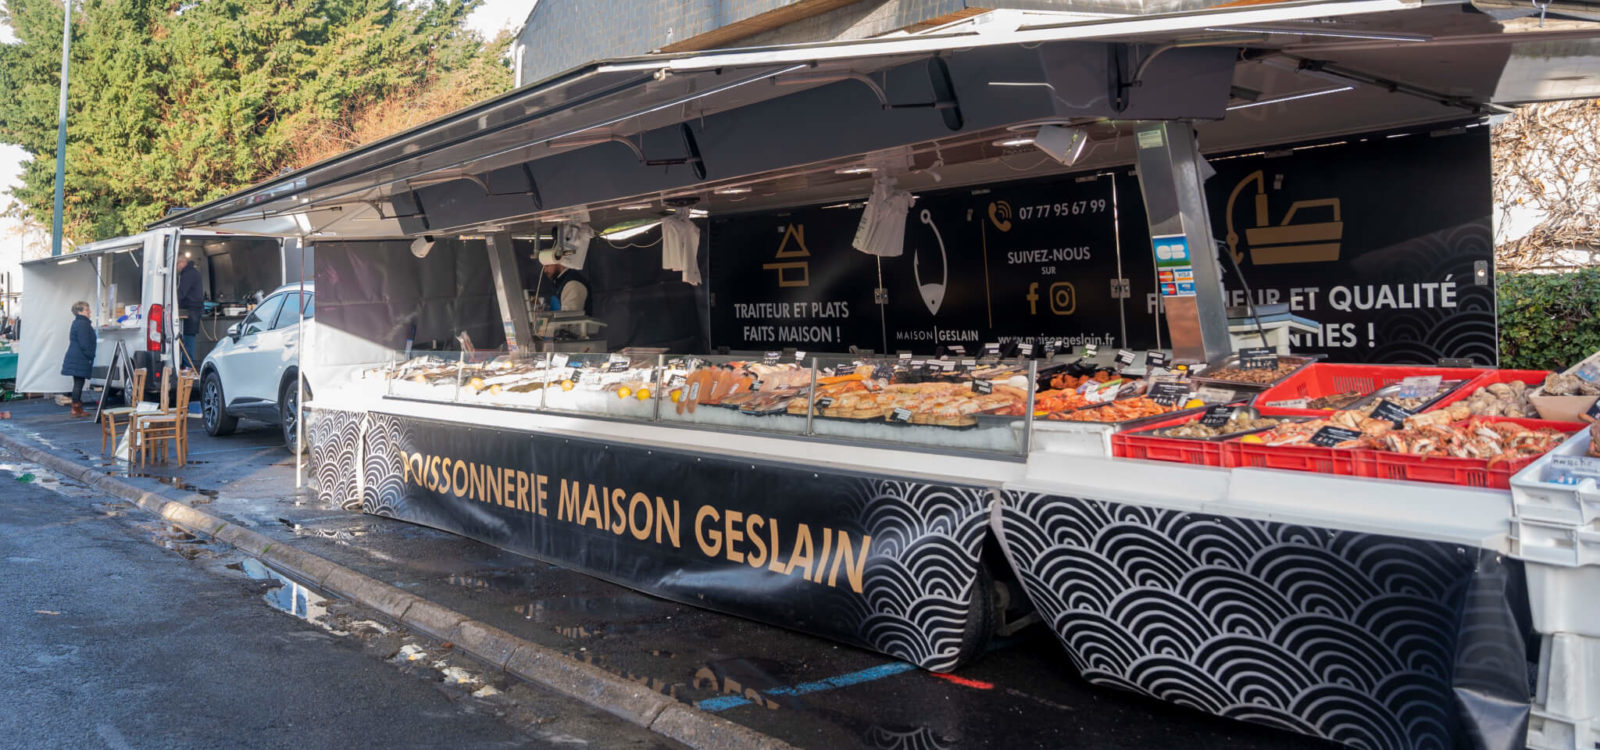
530, 661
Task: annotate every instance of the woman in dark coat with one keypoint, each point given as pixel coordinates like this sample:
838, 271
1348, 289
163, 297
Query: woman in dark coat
79, 362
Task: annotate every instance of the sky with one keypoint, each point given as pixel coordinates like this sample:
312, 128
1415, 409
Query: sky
488, 19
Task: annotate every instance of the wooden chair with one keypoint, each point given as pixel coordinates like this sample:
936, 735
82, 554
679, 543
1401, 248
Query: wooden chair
166, 427
108, 417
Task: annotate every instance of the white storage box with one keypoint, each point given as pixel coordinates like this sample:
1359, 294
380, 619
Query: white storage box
1555, 543
1566, 710
1565, 599
1546, 502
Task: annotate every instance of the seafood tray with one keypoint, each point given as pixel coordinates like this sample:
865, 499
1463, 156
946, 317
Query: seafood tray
1232, 362
1151, 445
1325, 379
1529, 380
1465, 472
1093, 438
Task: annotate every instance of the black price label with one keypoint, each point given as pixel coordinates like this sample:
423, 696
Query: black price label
1258, 358
983, 386
1593, 414
617, 366
947, 365
1169, 394
1089, 350
1051, 347
824, 402
1154, 358
1025, 349
844, 370
675, 379
1457, 362
1391, 411
1125, 358
675, 362
900, 415
1329, 437
773, 357
969, 363
1217, 416
756, 386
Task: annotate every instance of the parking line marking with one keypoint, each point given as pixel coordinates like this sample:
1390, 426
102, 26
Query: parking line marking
832, 683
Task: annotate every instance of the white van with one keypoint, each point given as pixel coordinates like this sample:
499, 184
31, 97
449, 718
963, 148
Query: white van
130, 284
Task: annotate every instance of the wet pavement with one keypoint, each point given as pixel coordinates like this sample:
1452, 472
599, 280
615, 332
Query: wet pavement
813, 693
120, 631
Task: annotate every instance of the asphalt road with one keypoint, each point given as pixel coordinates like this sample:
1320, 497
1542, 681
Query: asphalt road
1021, 695
117, 633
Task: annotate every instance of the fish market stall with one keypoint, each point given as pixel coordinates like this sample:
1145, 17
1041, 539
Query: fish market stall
900, 328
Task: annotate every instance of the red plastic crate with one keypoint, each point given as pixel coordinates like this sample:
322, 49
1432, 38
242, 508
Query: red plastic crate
1464, 472
1312, 458
1533, 378
1325, 379
1150, 447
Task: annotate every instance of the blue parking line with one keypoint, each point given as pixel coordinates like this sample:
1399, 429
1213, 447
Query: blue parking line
845, 680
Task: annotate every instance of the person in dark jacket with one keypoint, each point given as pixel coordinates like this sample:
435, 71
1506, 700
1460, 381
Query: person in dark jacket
191, 305
79, 362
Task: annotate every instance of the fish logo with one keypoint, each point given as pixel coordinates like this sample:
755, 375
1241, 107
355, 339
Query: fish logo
932, 294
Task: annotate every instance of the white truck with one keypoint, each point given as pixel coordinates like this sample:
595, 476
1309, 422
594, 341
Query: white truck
130, 284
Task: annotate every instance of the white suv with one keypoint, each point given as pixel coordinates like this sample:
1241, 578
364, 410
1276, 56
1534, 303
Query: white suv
252, 371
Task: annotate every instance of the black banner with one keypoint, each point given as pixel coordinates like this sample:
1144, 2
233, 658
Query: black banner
882, 563
1383, 243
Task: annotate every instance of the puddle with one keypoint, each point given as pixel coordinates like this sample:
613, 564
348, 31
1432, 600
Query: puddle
339, 535
187, 545
289, 596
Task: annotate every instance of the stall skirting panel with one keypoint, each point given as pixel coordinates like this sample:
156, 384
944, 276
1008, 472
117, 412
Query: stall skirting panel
1357, 638
875, 561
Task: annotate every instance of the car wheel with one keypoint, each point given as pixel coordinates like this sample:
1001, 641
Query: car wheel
289, 415
213, 410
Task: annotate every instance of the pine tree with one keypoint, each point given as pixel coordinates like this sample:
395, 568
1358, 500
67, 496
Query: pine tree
174, 105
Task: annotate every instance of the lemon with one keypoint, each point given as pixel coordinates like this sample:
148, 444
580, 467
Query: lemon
1194, 403
624, 392
643, 394
566, 385
676, 395
1250, 439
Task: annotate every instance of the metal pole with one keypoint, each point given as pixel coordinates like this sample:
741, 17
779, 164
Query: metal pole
61, 130
300, 377
811, 397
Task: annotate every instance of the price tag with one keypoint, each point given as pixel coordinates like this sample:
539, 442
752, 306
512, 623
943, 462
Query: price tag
956, 350
617, 365
799, 356
992, 349
1215, 395
1090, 350
560, 360
983, 386
1155, 358
1571, 469
1258, 358
1391, 411
756, 386
1197, 368
905, 356
969, 363
1457, 362
1104, 392
1593, 414
1329, 437
1051, 347
1025, 349
917, 363
589, 378
1291, 403
849, 369
1169, 394
947, 365
1217, 416
675, 362
675, 379
900, 415
773, 357
823, 403
1125, 358
694, 392
1420, 386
